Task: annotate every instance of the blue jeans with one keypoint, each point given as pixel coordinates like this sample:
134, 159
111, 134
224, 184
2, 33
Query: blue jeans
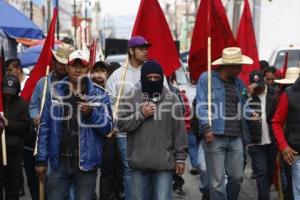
122, 144
193, 149
224, 155
59, 182
263, 163
151, 185
296, 177
204, 186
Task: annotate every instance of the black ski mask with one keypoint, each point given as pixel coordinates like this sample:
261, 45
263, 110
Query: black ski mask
152, 88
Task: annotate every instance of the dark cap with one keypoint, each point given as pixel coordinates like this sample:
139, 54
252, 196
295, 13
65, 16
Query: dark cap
258, 78
100, 65
11, 85
137, 41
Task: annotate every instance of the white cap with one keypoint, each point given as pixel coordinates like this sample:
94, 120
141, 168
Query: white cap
81, 55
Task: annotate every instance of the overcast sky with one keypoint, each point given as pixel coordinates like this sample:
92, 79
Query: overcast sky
123, 13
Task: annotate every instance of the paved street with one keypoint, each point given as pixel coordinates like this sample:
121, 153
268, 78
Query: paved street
248, 191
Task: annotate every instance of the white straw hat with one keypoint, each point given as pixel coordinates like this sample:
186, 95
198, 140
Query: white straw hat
233, 56
62, 53
291, 75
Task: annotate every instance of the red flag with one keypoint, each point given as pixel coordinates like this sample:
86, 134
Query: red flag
44, 60
93, 51
2, 61
151, 24
285, 65
247, 42
211, 21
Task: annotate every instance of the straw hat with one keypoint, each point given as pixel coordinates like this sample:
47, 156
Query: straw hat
233, 56
291, 75
62, 53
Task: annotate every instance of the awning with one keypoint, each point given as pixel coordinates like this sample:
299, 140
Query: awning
16, 25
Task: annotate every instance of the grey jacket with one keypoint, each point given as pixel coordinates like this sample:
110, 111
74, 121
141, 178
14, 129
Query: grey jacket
154, 143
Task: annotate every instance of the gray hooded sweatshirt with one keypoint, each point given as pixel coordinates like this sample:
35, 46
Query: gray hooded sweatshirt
154, 143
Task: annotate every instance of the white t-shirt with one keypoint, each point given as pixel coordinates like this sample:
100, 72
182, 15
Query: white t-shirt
265, 137
23, 82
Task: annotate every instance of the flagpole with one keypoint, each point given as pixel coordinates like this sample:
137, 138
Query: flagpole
42, 105
120, 92
41, 179
209, 63
209, 79
3, 141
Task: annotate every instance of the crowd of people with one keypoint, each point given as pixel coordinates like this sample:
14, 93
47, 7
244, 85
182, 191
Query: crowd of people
138, 127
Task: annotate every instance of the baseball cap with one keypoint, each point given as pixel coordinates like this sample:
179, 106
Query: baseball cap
11, 85
258, 78
100, 65
137, 41
79, 55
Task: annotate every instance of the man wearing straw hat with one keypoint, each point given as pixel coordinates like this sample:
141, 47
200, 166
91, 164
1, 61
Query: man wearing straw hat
285, 124
225, 133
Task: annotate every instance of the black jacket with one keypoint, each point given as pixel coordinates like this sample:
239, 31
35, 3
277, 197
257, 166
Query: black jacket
17, 114
254, 127
195, 121
292, 128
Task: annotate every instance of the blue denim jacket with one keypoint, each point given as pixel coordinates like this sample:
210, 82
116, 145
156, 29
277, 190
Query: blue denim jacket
36, 97
218, 105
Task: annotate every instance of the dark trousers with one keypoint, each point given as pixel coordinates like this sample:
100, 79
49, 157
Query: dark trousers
178, 181
111, 184
263, 163
10, 177
32, 179
286, 178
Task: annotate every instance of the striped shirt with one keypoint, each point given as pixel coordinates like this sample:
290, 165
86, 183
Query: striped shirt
232, 111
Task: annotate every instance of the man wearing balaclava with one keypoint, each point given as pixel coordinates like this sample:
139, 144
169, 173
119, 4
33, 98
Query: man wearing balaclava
157, 142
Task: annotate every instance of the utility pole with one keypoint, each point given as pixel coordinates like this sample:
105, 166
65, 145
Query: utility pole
31, 9
75, 24
48, 13
175, 20
187, 21
236, 15
57, 21
86, 23
196, 7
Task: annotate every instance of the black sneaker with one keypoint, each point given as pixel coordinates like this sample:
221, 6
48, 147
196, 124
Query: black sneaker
205, 197
253, 176
180, 191
21, 192
194, 171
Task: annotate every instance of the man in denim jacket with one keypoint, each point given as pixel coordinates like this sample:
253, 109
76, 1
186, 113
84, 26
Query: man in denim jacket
225, 135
